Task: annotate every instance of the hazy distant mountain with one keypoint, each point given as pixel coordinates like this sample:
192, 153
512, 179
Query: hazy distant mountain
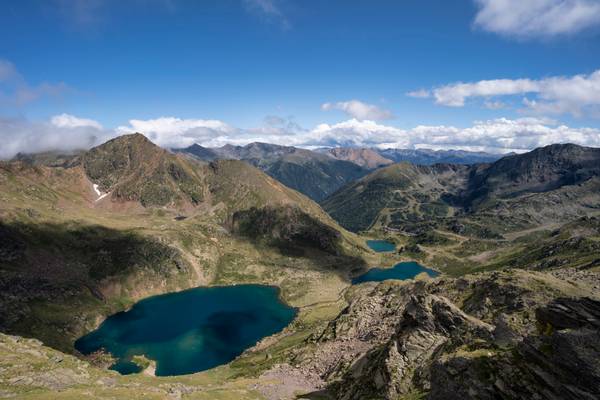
311, 173
367, 158
429, 157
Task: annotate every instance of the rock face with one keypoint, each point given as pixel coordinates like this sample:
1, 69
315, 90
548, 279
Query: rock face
428, 323
561, 362
501, 335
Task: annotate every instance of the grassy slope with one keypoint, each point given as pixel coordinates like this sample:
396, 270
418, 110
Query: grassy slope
80, 260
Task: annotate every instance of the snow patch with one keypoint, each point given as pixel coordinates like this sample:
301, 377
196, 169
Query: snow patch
99, 193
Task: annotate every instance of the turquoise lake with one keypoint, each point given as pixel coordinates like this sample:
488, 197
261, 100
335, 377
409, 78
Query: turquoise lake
190, 331
381, 246
401, 271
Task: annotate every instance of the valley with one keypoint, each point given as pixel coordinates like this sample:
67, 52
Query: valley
101, 230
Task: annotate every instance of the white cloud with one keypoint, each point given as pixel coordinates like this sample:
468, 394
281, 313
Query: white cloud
71, 121
354, 133
454, 95
499, 135
537, 18
359, 110
23, 136
176, 132
576, 95
503, 135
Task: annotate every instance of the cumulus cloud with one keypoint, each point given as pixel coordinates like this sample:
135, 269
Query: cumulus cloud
359, 110
354, 133
62, 133
16, 91
536, 18
71, 121
176, 132
576, 95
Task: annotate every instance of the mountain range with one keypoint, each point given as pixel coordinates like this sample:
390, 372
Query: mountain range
319, 173
550, 184
313, 174
516, 240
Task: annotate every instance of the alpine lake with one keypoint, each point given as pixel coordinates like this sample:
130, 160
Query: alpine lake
198, 329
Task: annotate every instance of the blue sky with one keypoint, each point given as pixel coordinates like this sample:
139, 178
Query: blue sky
280, 69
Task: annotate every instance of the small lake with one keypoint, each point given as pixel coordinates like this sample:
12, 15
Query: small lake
401, 271
381, 246
190, 331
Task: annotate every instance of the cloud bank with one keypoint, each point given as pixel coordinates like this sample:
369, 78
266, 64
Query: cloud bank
536, 18
498, 135
62, 133
67, 132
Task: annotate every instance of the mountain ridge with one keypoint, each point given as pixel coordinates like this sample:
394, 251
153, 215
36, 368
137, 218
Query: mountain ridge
421, 195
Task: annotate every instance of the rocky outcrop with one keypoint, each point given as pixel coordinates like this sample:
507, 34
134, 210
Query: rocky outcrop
500, 335
561, 362
429, 323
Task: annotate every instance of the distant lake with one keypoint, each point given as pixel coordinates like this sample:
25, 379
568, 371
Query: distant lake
190, 331
381, 246
401, 271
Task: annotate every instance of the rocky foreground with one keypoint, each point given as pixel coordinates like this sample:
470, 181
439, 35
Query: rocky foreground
500, 335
